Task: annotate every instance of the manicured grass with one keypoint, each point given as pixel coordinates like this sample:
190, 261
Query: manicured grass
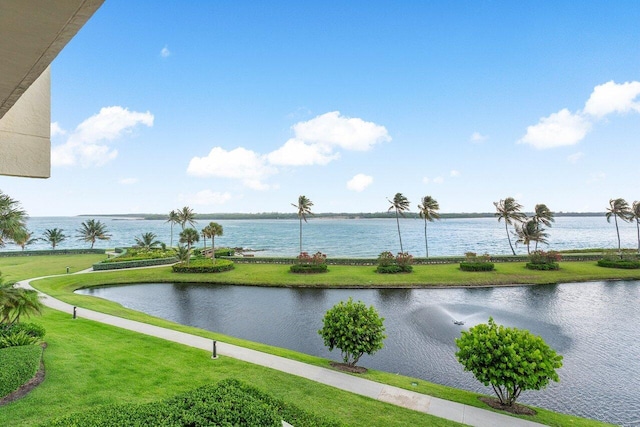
24, 267
91, 364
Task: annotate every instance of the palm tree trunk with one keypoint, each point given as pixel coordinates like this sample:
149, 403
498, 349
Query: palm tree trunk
213, 249
509, 238
171, 244
638, 227
426, 244
300, 234
615, 218
399, 235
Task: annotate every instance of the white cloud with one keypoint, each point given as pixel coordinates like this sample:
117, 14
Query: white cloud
559, 129
316, 140
57, 130
246, 165
359, 182
332, 129
87, 143
596, 177
477, 137
610, 98
436, 180
206, 198
128, 181
165, 52
575, 157
454, 173
298, 153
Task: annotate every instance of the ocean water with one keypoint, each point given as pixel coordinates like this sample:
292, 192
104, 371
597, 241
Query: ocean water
361, 238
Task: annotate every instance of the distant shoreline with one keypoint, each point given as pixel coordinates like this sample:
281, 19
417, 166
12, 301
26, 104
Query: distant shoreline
327, 215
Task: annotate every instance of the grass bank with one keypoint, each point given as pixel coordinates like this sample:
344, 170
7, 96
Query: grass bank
98, 371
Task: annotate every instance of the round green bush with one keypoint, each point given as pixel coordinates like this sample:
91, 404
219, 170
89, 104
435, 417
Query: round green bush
477, 266
621, 263
543, 266
308, 269
204, 265
393, 269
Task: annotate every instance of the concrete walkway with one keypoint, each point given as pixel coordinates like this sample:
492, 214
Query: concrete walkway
397, 396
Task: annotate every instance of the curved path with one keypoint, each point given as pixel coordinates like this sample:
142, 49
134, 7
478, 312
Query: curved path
454, 411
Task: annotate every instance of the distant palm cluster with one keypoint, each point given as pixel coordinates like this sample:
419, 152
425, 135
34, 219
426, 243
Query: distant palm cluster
527, 230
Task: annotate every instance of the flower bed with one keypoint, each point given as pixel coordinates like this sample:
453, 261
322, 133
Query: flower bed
307, 264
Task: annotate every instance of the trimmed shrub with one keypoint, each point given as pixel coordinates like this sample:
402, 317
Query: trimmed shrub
133, 264
203, 265
547, 266
19, 365
229, 403
307, 264
136, 254
477, 266
388, 264
308, 269
620, 263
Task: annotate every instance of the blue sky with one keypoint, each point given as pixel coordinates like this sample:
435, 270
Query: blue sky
242, 106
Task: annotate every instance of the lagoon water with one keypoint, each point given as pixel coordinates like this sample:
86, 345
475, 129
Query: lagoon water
593, 325
362, 238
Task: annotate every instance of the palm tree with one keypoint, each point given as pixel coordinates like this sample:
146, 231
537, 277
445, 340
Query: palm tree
400, 204
16, 302
618, 208
509, 210
182, 253
304, 209
23, 238
429, 211
173, 219
542, 215
213, 229
147, 241
92, 230
12, 218
54, 236
189, 236
529, 231
186, 215
635, 214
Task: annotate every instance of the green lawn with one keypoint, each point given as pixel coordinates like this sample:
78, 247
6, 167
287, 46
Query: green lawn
79, 357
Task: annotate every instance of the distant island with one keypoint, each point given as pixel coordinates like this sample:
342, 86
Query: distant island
326, 215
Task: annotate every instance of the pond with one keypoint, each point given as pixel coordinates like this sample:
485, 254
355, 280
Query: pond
595, 326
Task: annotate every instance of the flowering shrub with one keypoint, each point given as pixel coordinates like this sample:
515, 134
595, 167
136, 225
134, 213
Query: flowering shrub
473, 262
388, 264
306, 263
541, 260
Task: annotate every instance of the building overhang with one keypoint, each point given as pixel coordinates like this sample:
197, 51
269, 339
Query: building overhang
32, 33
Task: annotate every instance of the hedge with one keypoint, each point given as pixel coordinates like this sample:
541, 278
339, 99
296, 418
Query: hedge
477, 266
203, 265
52, 252
308, 269
229, 403
543, 266
393, 269
133, 264
626, 264
19, 365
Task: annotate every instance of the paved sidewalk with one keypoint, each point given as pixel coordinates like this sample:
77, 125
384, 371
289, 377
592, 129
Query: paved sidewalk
397, 396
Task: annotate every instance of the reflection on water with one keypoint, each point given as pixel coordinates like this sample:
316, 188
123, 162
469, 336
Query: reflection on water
593, 325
